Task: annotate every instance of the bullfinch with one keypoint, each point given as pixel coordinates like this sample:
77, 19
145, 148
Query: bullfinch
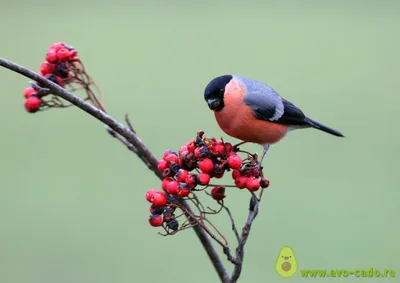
251, 111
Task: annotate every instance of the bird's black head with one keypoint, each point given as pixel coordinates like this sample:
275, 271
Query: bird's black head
214, 92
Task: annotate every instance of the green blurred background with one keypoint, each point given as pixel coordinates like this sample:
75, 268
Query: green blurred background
72, 205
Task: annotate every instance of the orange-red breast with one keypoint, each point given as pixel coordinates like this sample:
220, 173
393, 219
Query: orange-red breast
254, 112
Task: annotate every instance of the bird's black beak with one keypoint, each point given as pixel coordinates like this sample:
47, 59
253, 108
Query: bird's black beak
214, 103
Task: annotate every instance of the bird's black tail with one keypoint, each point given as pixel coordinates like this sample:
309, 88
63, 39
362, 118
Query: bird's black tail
321, 127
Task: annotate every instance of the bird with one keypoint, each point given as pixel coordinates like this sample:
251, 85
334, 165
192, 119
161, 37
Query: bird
251, 111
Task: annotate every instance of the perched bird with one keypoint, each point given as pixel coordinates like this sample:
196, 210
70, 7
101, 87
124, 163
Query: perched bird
254, 112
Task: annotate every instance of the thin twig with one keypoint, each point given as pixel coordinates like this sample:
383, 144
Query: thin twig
233, 223
253, 211
142, 151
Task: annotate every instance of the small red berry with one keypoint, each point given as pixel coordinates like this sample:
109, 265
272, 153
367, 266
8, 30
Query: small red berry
46, 68
218, 193
32, 104
203, 178
183, 148
168, 152
156, 220
63, 54
159, 199
234, 161
183, 192
241, 182
173, 187
149, 194
252, 184
191, 180
162, 165
264, 183
248, 172
57, 46
165, 183
191, 146
206, 165
172, 158
228, 147
29, 92
218, 149
236, 174
181, 175
51, 56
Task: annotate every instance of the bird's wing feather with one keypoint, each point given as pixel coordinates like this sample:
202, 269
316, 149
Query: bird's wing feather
268, 105
292, 115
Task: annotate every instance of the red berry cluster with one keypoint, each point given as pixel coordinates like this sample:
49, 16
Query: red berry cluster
55, 69
63, 67
196, 163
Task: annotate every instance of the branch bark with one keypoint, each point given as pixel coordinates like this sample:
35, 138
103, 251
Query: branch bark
137, 146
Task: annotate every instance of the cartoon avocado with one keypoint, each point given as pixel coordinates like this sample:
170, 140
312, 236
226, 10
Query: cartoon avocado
286, 264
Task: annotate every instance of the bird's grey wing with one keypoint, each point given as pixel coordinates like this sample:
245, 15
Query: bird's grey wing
268, 105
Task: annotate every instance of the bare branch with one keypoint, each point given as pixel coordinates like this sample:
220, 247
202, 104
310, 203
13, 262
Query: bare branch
140, 149
253, 211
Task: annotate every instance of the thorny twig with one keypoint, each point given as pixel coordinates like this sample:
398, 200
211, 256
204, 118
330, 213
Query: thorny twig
129, 138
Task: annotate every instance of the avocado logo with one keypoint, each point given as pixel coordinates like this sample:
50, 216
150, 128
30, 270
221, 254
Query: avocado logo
286, 264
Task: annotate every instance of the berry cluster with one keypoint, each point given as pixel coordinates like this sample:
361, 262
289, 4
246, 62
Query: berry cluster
63, 67
192, 168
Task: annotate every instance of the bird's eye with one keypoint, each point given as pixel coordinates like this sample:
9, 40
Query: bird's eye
222, 91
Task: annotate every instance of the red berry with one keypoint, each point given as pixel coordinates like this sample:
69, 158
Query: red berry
252, 184
181, 175
197, 152
63, 54
218, 193
191, 146
248, 173
191, 180
241, 182
57, 46
156, 220
159, 199
206, 165
168, 152
228, 147
264, 183
183, 192
173, 187
149, 194
183, 148
234, 161
218, 149
32, 104
165, 183
46, 68
172, 158
203, 178
29, 92
162, 165
51, 56
236, 174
